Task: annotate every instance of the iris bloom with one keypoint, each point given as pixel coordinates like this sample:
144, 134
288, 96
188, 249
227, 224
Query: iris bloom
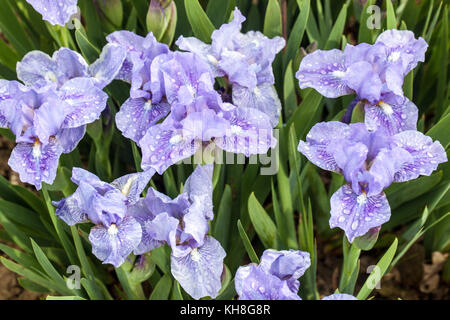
49, 113
57, 12
246, 61
107, 205
375, 73
370, 161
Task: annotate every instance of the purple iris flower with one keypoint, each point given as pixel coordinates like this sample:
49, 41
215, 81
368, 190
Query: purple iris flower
246, 61
275, 278
49, 113
147, 104
56, 12
198, 116
374, 73
183, 224
340, 296
370, 161
107, 205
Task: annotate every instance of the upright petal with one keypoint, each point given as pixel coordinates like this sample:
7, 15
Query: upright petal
426, 155
357, 213
199, 272
132, 185
252, 283
325, 72
361, 78
136, 116
263, 98
37, 68
107, 66
319, 138
199, 188
71, 65
36, 163
84, 100
48, 119
55, 12
114, 243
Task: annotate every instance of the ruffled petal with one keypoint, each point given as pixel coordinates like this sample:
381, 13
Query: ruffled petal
84, 100
107, 66
132, 185
325, 72
71, 209
263, 98
70, 64
319, 138
426, 155
136, 116
113, 244
361, 78
199, 272
252, 283
199, 188
355, 213
55, 12
70, 137
36, 163
392, 116
37, 68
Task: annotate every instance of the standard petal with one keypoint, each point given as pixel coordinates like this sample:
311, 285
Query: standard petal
136, 116
393, 116
250, 132
37, 68
114, 243
48, 119
355, 213
235, 65
107, 66
317, 141
426, 155
84, 100
361, 78
70, 64
36, 163
199, 188
199, 272
55, 12
264, 98
252, 283
324, 71
132, 185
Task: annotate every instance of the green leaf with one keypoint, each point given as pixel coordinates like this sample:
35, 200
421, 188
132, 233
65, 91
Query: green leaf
162, 289
391, 22
365, 34
248, 246
176, 291
297, 32
89, 51
264, 226
338, 29
439, 131
290, 97
200, 23
378, 272
272, 20
64, 298
303, 116
219, 10
221, 229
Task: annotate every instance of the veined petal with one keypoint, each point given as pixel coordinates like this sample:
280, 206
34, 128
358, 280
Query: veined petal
199, 188
252, 283
36, 163
426, 155
70, 64
48, 119
84, 100
355, 213
55, 12
114, 243
361, 78
393, 116
70, 137
132, 185
37, 68
317, 141
199, 272
263, 98
71, 209
107, 66
325, 72
136, 116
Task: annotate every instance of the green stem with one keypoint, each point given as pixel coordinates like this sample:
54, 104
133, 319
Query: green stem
350, 267
134, 291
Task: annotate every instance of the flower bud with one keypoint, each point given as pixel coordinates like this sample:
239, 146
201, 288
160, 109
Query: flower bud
143, 268
368, 240
162, 20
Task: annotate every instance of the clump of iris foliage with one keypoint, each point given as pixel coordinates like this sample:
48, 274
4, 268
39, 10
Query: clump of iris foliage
105, 98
